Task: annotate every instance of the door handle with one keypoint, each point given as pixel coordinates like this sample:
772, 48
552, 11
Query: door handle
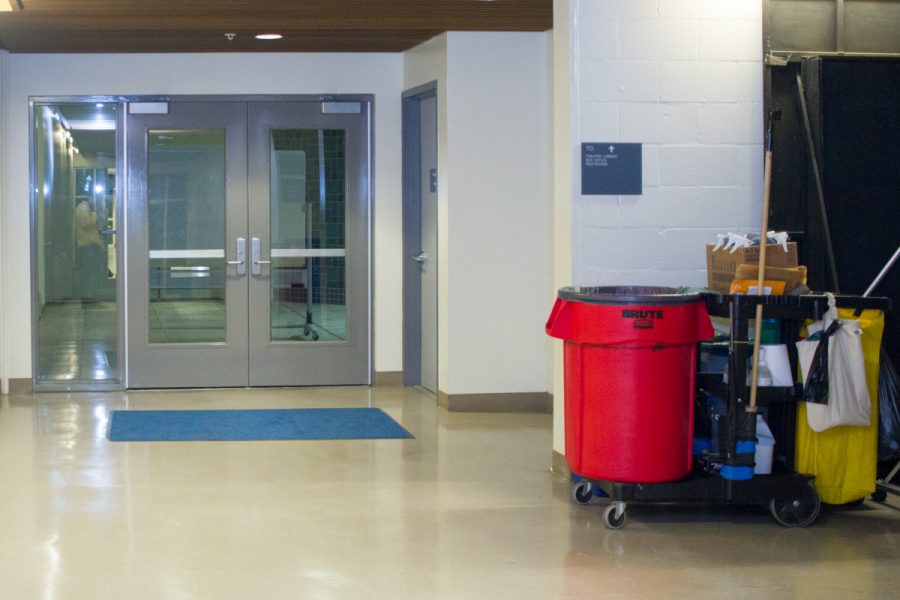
255, 267
422, 259
240, 255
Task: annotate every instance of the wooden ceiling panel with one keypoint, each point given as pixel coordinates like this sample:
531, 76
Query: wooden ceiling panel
113, 26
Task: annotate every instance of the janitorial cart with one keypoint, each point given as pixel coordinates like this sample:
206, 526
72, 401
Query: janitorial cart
637, 415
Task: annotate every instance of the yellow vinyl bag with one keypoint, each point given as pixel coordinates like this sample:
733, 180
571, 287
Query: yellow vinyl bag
844, 459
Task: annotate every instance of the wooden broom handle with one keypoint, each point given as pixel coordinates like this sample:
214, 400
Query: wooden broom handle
760, 280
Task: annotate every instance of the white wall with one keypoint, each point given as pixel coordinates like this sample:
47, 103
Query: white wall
46, 75
684, 78
499, 211
494, 207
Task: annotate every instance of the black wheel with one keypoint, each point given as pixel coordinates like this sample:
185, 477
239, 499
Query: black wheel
796, 510
879, 495
614, 519
582, 493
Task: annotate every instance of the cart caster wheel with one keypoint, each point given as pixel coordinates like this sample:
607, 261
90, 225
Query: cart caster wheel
314, 335
614, 515
879, 495
798, 510
582, 493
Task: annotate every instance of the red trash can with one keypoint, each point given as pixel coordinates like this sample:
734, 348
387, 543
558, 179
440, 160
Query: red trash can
630, 364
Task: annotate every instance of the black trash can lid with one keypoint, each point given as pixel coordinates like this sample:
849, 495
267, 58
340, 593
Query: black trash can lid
630, 294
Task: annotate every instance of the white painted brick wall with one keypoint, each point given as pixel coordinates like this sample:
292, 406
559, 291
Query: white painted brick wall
621, 81
715, 10
657, 39
660, 208
684, 78
697, 166
659, 123
597, 39
730, 40
730, 123
600, 122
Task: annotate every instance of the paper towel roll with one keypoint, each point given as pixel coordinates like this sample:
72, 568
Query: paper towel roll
776, 357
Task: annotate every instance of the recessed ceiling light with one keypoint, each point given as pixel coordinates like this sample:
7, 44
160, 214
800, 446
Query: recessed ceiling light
269, 36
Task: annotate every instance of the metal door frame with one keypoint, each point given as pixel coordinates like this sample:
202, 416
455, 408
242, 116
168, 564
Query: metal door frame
412, 234
122, 191
58, 386
368, 103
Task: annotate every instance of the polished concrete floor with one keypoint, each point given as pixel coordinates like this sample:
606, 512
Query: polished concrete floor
468, 509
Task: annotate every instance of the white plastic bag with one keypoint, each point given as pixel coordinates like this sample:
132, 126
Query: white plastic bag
848, 394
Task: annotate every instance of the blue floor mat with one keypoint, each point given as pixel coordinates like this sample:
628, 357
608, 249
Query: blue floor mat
272, 424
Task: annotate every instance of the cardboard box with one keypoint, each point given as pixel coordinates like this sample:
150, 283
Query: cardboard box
722, 264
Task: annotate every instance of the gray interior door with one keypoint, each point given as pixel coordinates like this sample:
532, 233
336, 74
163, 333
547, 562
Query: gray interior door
248, 244
429, 254
309, 294
187, 207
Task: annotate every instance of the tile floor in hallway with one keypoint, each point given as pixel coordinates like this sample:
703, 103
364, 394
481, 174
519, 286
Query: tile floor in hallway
467, 510
77, 342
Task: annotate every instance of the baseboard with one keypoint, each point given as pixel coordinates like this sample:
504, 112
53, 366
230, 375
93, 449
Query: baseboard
388, 378
20, 386
525, 402
560, 466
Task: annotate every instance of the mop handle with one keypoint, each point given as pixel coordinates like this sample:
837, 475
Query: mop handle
884, 271
761, 273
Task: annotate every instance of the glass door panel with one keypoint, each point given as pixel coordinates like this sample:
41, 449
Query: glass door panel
75, 295
186, 228
307, 204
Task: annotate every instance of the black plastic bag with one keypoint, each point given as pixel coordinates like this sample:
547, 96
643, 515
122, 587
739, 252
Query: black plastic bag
815, 389
889, 410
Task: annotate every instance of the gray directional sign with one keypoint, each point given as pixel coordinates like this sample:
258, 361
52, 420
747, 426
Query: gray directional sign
611, 169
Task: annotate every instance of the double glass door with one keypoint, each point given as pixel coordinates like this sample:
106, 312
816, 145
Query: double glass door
248, 244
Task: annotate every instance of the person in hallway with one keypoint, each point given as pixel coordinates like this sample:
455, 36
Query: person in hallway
89, 264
